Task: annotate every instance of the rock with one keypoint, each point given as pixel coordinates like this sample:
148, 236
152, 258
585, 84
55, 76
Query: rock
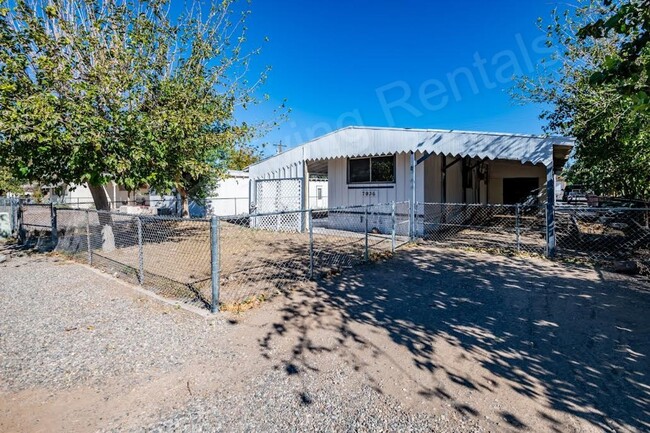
629, 267
3, 258
108, 239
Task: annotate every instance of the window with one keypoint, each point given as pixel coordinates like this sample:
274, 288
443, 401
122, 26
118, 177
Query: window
319, 192
378, 169
359, 170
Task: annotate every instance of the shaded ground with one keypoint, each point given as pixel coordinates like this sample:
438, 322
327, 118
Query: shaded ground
432, 340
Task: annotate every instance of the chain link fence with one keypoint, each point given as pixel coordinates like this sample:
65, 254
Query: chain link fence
265, 253
240, 260
495, 228
169, 256
232, 261
603, 233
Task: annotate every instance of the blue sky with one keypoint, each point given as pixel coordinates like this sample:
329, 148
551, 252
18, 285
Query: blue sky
418, 64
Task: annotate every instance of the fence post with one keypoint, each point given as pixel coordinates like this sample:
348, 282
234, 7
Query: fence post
22, 236
214, 262
14, 215
311, 245
365, 255
517, 227
90, 250
140, 252
394, 228
550, 231
53, 224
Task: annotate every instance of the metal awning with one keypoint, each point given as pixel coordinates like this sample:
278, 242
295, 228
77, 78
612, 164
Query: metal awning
368, 141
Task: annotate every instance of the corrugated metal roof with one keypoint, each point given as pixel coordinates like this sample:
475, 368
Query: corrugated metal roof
367, 141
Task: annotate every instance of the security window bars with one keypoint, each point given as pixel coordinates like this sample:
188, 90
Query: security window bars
376, 169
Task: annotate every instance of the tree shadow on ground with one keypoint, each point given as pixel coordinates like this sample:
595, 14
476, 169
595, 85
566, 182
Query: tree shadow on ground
570, 341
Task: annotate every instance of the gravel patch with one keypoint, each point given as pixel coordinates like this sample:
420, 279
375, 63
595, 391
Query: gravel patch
333, 402
431, 340
64, 325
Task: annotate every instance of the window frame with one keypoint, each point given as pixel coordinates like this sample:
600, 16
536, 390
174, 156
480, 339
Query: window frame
371, 181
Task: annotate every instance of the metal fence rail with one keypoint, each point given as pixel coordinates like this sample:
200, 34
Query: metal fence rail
223, 260
266, 252
602, 233
232, 261
169, 256
505, 228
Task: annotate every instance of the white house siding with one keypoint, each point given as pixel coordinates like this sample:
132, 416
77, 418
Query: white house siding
506, 155
80, 196
231, 196
341, 194
314, 202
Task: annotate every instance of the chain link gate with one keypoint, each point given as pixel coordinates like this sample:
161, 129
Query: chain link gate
277, 196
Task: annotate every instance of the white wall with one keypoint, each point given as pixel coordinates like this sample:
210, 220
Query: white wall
314, 201
341, 194
79, 195
230, 197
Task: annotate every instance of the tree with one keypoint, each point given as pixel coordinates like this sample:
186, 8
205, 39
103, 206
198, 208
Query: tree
628, 68
242, 156
9, 184
596, 84
116, 90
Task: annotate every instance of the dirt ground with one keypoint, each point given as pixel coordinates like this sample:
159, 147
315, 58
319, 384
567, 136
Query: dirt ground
470, 341
252, 262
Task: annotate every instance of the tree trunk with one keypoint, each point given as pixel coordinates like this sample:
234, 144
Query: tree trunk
100, 198
185, 204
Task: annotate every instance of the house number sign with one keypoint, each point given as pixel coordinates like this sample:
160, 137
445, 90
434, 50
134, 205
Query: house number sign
369, 193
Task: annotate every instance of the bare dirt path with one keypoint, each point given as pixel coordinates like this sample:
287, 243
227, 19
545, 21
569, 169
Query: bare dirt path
432, 340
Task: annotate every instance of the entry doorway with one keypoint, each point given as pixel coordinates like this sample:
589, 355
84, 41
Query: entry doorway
516, 189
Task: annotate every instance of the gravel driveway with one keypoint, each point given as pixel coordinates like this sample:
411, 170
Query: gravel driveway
432, 340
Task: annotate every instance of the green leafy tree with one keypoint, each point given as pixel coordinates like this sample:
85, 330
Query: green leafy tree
596, 84
8, 183
242, 156
115, 90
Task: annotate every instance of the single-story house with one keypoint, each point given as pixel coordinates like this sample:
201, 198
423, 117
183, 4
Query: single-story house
230, 197
118, 196
371, 165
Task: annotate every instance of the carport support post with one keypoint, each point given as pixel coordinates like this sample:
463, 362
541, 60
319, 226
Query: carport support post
311, 246
392, 233
550, 211
140, 252
90, 251
214, 262
365, 254
517, 227
304, 198
412, 229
